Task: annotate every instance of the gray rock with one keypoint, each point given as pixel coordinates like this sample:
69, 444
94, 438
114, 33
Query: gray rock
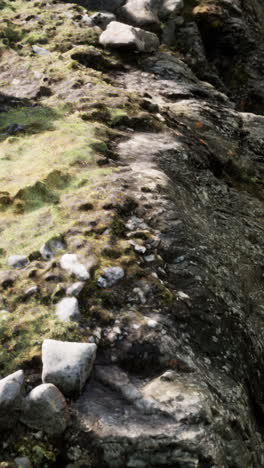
102, 19
104, 5
40, 50
140, 13
67, 364
11, 392
70, 263
119, 35
169, 7
31, 291
67, 309
50, 248
75, 289
17, 261
45, 409
110, 276
23, 462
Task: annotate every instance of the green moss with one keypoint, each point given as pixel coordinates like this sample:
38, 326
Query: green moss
35, 37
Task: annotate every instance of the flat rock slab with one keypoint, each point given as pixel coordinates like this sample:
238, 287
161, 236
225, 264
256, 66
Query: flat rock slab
67, 364
119, 35
45, 409
11, 393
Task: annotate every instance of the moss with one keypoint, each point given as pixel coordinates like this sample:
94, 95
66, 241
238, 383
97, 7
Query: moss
118, 227
35, 37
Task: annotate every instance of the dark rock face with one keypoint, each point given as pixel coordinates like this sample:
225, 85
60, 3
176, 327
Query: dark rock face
175, 298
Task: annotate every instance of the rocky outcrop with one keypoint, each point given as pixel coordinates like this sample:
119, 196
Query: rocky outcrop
159, 200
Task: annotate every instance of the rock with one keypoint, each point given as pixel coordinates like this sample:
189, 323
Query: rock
110, 276
23, 462
119, 35
4, 315
50, 248
140, 13
104, 5
11, 392
32, 291
70, 263
40, 50
102, 19
67, 364
7, 278
169, 7
75, 289
45, 409
67, 309
17, 261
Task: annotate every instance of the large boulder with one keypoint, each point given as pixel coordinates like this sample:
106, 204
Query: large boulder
141, 13
67, 309
45, 409
11, 393
67, 364
119, 35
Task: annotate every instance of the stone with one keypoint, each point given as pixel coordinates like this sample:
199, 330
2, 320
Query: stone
67, 364
45, 409
50, 248
17, 261
67, 309
23, 462
169, 7
11, 393
75, 289
70, 263
140, 13
32, 291
102, 19
119, 35
4, 315
40, 50
110, 276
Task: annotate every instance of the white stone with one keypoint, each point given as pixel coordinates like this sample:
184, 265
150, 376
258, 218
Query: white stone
11, 392
67, 364
17, 261
70, 263
118, 35
67, 309
75, 288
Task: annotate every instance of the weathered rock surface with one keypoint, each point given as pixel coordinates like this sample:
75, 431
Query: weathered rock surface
173, 196
45, 409
11, 394
67, 365
119, 35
